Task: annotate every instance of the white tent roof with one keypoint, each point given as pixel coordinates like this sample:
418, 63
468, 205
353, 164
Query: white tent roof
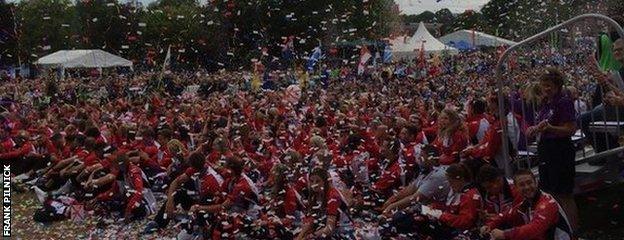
402, 47
480, 39
83, 59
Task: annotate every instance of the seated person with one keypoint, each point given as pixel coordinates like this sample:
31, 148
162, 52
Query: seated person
328, 213
489, 149
238, 208
538, 216
498, 196
430, 186
129, 192
284, 206
477, 121
198, 183
451, 137
453, 219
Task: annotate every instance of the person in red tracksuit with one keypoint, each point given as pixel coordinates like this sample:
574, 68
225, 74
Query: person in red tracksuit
489, 148
6, 142
237, 205
284, 206
455, 218
392, 175
477, 122
328, 210
537, 217
462, 205
130, 175
451, 138
498, 195
17, 155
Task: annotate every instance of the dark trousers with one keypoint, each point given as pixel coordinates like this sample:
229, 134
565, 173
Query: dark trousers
180, 197
603, 141
24, 164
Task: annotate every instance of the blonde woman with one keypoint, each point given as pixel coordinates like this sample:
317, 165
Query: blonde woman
451, 138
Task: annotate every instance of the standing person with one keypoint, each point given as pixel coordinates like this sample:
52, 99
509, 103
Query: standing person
556, 152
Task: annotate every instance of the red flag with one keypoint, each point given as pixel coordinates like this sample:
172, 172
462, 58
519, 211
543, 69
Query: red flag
474, 42
364, 56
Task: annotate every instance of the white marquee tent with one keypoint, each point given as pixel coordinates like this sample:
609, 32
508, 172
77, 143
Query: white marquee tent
403, 47
468, 38
83, 59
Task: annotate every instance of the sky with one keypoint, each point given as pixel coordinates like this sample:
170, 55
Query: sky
413, 6
419, 6
456, 6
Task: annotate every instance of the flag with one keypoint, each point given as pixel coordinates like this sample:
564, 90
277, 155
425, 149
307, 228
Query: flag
607, 61
167, 59
364, 57
314, 58
474, 43
387, 54
164, 68
375, 58
422, 55
255, 82
288, 48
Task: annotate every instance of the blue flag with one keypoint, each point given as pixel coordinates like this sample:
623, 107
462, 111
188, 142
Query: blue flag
314, 58
387, 55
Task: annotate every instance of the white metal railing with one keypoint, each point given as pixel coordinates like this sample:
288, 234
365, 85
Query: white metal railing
606, 126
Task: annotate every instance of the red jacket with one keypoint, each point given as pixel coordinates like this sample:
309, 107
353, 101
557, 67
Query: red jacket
475, 124
502, 202
449, 150
390, 179
22, 151
462, 211
7, 145
135, 178
532, 219
489, 145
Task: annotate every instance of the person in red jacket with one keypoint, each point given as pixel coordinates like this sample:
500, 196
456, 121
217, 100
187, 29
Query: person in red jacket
6, 142
328, 211
477, 121
451, 137
393, 174
455, 218
284, 206
199, 183
17, 155
136, 204
489, 149
537, 217
498, 196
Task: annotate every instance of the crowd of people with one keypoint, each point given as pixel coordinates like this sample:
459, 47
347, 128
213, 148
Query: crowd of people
410, 151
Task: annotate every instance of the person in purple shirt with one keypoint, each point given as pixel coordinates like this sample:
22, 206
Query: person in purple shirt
556, 123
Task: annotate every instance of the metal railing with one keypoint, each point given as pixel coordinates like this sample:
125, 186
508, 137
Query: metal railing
502, 95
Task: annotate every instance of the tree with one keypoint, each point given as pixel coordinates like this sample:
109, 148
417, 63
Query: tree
8, 34
45, 26
426, 16
469, 20
216, 35
446, 18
